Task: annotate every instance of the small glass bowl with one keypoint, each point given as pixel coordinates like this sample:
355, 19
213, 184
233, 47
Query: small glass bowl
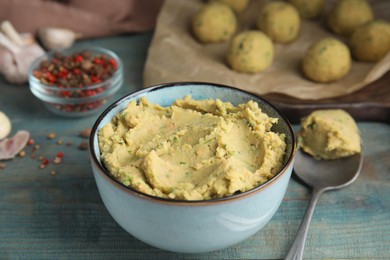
76, 101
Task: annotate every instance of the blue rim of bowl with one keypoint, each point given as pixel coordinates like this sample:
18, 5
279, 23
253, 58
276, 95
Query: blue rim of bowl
47, 55
181, 202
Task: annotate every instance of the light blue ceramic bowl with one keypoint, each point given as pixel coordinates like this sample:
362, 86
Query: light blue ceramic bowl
192, 226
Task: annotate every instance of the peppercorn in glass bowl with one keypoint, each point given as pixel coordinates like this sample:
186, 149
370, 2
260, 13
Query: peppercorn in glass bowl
76, 82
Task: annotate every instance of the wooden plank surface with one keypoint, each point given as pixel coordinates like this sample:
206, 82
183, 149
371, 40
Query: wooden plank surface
62, 216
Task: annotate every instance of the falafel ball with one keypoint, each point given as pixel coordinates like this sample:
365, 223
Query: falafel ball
347, 15
327, 60
371, 42
280, 21
214, 22
250, 52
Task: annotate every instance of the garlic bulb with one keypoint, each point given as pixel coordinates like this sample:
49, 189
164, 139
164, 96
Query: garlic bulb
57, 38
5, 125
15, 61
8, 29
17, 52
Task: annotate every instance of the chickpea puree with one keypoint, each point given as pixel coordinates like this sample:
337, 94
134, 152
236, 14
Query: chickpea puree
192, 150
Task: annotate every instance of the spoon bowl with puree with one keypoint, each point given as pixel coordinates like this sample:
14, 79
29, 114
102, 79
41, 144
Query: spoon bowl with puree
321, 176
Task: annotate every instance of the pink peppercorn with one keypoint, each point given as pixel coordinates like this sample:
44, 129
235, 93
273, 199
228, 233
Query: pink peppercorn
45, 161
78, 58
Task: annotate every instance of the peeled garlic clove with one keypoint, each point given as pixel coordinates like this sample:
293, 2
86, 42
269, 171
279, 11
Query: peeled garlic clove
57, 38
5, 125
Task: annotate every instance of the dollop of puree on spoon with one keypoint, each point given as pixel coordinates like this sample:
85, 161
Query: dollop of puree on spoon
330, 158
329, 134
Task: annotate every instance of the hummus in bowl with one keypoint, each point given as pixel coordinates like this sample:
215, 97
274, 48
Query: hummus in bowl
204, 182
193, 149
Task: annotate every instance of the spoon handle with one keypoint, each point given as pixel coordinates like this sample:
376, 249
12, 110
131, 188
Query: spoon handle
296, 250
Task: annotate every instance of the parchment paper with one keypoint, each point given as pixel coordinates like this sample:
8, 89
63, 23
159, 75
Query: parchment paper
175, 55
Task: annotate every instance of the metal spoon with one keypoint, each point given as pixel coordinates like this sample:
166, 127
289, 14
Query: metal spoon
321, 175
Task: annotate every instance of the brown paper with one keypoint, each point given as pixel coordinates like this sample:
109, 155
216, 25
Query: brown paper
175, 55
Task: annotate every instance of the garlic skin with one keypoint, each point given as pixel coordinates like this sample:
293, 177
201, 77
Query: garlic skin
10, 147
57, 38
5, 125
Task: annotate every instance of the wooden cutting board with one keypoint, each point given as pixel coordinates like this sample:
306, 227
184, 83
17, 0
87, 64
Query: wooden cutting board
371, 103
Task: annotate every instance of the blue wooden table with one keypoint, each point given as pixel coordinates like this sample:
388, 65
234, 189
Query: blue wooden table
45, 216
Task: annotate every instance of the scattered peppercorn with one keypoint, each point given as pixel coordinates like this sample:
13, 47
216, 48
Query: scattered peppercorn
57, 160
85, 133
22, 153
30, 141
83, 145
58, 157
51, 135
44, 162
